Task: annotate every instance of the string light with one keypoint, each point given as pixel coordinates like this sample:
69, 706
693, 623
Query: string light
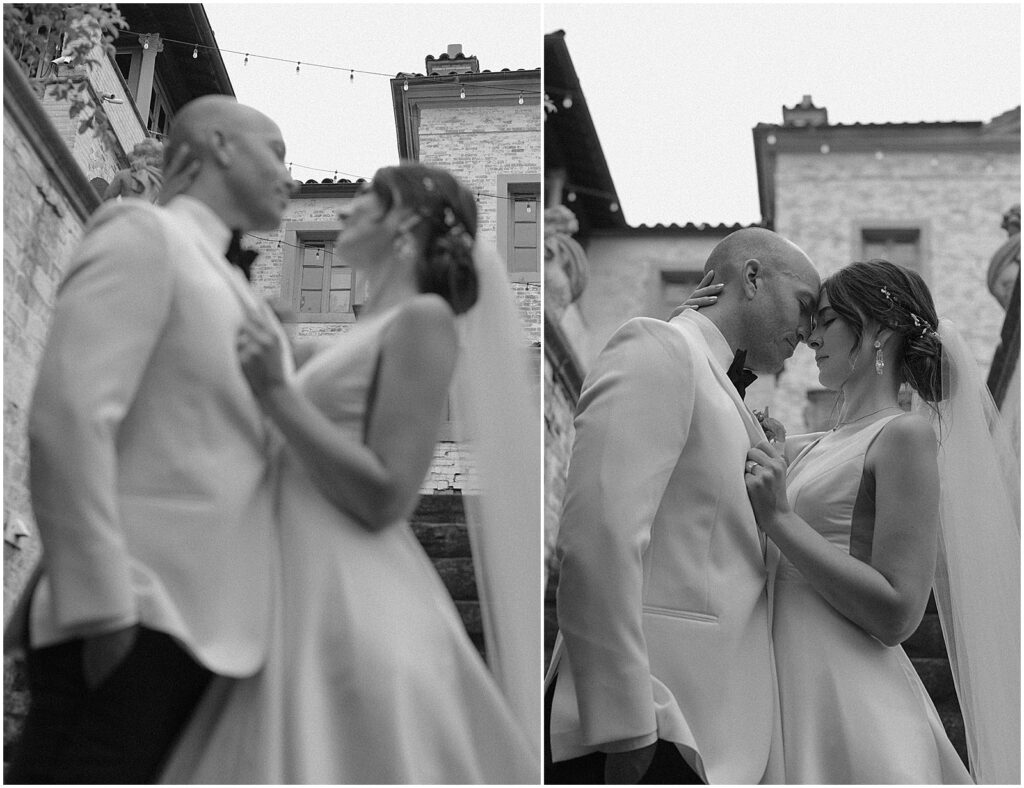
567, 102
297, 65
571, 196
195, 52
520, 97
462, 92
351, 75
144, 39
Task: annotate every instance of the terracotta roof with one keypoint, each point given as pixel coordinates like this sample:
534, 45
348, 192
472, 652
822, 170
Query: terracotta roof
902, 125
694, 227
417, 75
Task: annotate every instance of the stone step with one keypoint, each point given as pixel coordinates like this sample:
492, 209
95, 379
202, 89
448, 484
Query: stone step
443, 540
927, 640
439, 524
936, 676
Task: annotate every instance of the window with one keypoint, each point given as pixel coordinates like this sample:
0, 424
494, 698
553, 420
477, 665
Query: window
676, 286
900, 245
519, 225
317, 285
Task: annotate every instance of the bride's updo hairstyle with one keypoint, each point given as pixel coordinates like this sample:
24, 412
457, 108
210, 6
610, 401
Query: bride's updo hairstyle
896, 298
446, 232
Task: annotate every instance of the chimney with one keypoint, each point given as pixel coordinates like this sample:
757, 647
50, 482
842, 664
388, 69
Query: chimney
804, 114
453, 62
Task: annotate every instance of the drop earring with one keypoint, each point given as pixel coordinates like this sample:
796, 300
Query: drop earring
879, 358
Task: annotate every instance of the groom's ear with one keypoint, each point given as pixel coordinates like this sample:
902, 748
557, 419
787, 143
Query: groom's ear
751, 277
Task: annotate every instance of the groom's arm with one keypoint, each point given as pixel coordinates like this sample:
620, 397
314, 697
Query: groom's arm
632, 421
107, 319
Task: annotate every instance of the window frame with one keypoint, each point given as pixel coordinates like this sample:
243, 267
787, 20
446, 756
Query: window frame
294, 233
507, 187
863, 230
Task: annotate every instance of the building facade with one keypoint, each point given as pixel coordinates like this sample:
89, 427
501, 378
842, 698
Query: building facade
930, 196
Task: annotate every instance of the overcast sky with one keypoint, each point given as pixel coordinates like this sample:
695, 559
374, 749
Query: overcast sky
674, 90
329, 121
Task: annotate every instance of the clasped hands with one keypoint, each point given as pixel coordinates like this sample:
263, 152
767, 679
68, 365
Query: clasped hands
765, 478
261, 350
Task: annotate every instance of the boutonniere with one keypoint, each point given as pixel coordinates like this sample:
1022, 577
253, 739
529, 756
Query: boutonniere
774, 429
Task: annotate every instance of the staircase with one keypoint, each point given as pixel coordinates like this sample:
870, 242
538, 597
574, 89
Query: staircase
439, 523
927, 651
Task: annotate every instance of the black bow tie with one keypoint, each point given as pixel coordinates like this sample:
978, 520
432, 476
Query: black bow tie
740, 377
236, 255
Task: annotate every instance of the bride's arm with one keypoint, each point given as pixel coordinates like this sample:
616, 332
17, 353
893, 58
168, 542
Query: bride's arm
377, 482
887, 596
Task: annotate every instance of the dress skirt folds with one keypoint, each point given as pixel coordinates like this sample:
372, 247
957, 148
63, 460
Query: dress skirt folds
370, 678
853, 710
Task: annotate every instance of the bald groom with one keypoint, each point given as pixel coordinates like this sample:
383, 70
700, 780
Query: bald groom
147, 466
663, 669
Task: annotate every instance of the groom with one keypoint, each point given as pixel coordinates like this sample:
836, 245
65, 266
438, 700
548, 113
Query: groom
664, 668
147, 465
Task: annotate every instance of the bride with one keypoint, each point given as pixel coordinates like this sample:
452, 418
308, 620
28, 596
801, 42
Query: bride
868, 518
371, 678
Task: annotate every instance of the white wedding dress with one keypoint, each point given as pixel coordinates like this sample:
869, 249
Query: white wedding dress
852, 710
370, 677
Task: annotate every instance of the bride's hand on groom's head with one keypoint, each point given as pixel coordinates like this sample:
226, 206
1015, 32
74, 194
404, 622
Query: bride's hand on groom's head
705, 295
765, 478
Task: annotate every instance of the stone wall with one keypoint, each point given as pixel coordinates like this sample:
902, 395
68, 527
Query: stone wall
957, 199
41, 230
625, 280
478, 143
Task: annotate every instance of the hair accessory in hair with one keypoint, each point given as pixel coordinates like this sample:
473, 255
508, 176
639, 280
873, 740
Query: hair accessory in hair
923, 326
428, 183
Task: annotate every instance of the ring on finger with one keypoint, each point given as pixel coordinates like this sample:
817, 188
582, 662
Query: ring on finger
751, 466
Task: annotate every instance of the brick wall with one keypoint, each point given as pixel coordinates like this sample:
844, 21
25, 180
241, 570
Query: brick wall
479, 143
40, 233
957, 199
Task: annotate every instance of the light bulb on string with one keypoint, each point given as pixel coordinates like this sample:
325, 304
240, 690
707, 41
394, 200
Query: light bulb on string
520, 97
405, 85
297, 65
571, 196
145, 43
462, 92
195, 52
351, 76
567, 102
614, 207
529, 207
246, 61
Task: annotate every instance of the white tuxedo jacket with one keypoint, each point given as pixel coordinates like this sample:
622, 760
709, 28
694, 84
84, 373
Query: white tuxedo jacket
662, 605
147, 466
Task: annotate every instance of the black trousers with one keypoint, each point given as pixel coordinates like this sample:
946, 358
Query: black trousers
119, 732
667, 768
